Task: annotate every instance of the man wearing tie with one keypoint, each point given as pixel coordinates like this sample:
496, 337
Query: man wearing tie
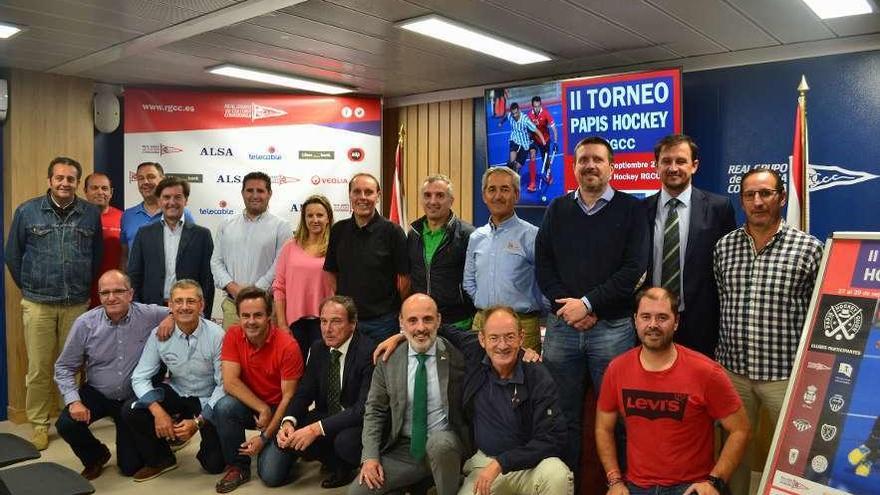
685, 223
414, 424
336, 381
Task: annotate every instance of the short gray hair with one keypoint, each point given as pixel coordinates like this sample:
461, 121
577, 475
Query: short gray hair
439, 178
514, 177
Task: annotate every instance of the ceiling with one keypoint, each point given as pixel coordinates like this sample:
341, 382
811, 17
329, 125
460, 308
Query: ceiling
355, 42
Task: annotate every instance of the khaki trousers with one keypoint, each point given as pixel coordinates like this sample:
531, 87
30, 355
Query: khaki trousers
45, 331
550, 477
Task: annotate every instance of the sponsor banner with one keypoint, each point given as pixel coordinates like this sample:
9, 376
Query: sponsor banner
632, 111
148, 110
214, 139
832, 407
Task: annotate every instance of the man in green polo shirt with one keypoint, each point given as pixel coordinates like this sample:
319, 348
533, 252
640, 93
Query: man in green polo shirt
437, 244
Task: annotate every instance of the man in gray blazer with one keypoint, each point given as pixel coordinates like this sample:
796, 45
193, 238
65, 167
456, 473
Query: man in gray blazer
414, 426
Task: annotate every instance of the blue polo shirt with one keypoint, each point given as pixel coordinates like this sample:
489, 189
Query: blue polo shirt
136, 217
496, 428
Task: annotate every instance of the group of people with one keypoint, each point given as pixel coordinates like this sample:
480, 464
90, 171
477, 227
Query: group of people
640, 298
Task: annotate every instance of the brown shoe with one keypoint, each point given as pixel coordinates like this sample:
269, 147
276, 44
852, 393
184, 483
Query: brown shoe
95, 469
149, 472
234, 478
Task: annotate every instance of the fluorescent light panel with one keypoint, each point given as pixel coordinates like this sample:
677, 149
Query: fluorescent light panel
457, 34
8, 30
237, 72
829, 9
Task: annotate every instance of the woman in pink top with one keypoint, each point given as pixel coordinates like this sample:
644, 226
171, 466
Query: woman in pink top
300, 280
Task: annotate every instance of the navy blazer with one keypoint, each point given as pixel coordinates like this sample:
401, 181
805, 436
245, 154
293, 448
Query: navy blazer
711, 217
146, 262
314, 386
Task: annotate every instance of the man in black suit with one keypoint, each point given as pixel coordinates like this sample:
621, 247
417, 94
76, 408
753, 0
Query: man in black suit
170, 250
331, 431
684, 229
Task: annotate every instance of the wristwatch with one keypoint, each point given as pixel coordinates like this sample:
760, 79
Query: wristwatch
718, 483
200, 422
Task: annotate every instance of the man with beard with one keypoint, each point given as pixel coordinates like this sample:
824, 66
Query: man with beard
669, 397
591, 254
148, 176
414, 425
246, 245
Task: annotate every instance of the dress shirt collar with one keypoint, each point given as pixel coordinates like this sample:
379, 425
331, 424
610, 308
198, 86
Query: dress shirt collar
180, 222
370, 226
343, 349
780, 233
180, 334
510, 222
430, 352
122, 321
607, 195
684, 197
256, 219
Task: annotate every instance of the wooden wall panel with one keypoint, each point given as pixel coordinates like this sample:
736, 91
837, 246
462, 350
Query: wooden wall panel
49, 116
439, 139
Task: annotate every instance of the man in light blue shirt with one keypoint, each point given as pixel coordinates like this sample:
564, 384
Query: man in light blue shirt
178, 408
499, 266
247, 245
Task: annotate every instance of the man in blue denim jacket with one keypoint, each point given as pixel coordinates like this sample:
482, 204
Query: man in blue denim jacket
53, 252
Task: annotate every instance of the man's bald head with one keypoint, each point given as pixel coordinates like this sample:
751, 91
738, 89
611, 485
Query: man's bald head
420, 320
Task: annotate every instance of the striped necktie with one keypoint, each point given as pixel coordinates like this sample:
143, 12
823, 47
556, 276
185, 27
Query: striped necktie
670, 276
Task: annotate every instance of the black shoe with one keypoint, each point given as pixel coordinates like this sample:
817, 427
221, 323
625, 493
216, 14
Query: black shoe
340, 477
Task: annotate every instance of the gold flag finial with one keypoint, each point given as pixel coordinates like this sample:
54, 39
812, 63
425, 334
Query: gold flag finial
803, 87
401, 134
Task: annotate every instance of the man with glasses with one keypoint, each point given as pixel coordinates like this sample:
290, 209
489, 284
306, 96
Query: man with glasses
105, 343
765, 273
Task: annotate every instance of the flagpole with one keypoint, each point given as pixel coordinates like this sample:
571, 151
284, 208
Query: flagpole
803, 87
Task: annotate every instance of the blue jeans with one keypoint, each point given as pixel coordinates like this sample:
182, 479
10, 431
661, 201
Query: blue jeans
232, 417
570, 354
380, 327
658, 490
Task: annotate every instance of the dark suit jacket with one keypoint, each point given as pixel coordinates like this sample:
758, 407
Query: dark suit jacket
314, 387
146, 262
386, 402
711, 217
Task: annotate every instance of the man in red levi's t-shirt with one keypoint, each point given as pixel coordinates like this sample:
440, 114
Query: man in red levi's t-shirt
670, 398
262, 365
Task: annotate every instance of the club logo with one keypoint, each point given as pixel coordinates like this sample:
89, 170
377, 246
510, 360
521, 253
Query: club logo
842, 321
801, 425
828, 432
813, 365
836, 402
845, 369
819, 464
783, 479
250, 111
317, 179
284, 179
793, 456
810, 395
159, 149
825, 176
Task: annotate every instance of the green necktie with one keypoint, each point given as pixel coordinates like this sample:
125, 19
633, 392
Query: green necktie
419, 434
333, 396
670, 276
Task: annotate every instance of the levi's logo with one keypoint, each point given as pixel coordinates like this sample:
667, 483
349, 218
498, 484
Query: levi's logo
654, 405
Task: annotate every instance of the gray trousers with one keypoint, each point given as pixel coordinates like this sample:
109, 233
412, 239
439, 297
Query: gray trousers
442, 461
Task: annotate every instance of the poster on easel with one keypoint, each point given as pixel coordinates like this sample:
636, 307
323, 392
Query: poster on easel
827, 441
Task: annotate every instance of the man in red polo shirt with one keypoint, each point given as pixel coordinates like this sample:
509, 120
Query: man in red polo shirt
261, 365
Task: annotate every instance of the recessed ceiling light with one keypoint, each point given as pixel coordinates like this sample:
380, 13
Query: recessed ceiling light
451, 32
829, 9
286, 81
8, 30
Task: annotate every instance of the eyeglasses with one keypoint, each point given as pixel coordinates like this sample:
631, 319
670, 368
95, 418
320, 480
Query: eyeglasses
112, 292
508, 339
762, 193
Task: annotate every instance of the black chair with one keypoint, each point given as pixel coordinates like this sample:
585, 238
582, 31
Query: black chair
15, 449
43, 478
